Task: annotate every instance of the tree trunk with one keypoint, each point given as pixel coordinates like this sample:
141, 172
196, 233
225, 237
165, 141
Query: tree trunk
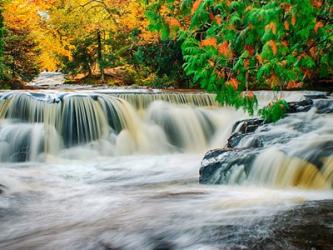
100, 55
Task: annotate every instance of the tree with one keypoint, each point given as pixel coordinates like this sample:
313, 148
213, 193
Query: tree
1, 42
20, 47
90, 29
231, 47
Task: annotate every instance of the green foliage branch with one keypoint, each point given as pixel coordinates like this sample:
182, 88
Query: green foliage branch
231, 47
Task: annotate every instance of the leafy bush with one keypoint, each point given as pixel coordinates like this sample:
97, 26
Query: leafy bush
274, 111
233, 46
165, 59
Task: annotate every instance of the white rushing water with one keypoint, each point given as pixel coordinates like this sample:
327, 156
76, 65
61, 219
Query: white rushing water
94, 171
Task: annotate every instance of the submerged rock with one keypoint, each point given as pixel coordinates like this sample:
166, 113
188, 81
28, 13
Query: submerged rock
306, 226
2, 188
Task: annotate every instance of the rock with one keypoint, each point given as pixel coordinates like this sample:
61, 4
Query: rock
247, 126
302, 106
316, 96
2, 188
222, 165
218, 165
235, 138
324, 106
305, 226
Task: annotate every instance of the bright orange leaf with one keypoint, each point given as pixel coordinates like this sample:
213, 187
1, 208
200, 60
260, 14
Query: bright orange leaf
286, 25
224, 50
196, 5
218, 20
318, 26
233, 82
293, 20
209, 42
273, 45
271, 26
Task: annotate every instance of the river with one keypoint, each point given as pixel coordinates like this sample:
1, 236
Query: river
119, 169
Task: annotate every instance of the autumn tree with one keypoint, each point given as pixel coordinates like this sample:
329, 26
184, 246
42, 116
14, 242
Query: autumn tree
231, 47
91, 29
1, 41
20, 43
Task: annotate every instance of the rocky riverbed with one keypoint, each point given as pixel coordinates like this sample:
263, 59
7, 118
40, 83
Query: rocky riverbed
302, 140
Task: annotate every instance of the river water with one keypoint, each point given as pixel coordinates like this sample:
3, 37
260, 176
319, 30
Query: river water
132, 185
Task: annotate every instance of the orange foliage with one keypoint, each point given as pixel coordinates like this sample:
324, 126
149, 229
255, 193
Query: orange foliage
224, 50
173, 22
250, 49
195, 6
218, 20
317, 3
274, 80
285, 43
209, 42
211, 62
286, 25
250, 94
233, 82
272, 44
246, 63
286, 6
293, 20
271, 26
318, 26
294, 85
259, 58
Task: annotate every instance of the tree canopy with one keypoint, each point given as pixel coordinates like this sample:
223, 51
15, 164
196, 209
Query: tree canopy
227, 47
231, 47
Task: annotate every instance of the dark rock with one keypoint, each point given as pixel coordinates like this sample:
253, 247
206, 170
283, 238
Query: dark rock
247, 126
235, 138
316, 96
324, 106
306, 226
217, 165
164, 245
302, 106
2, 188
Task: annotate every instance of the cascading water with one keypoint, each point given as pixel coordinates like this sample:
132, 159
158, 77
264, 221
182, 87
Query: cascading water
119, 170
77, 119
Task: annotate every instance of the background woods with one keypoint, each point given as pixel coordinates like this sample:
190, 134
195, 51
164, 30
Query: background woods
226, 47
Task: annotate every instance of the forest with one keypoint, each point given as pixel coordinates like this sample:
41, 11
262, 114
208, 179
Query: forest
225, 47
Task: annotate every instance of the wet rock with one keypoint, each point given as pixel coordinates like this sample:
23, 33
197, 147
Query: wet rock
302, 106
317, 96
247, 126
324, 106
164, 245
218, 166
306, 226
235, 139
2, 188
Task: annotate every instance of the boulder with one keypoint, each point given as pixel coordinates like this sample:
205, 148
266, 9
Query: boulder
2, 188
302, 106
218, 165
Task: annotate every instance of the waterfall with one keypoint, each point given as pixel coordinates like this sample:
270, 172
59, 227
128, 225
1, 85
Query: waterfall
293, 152
124, 123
